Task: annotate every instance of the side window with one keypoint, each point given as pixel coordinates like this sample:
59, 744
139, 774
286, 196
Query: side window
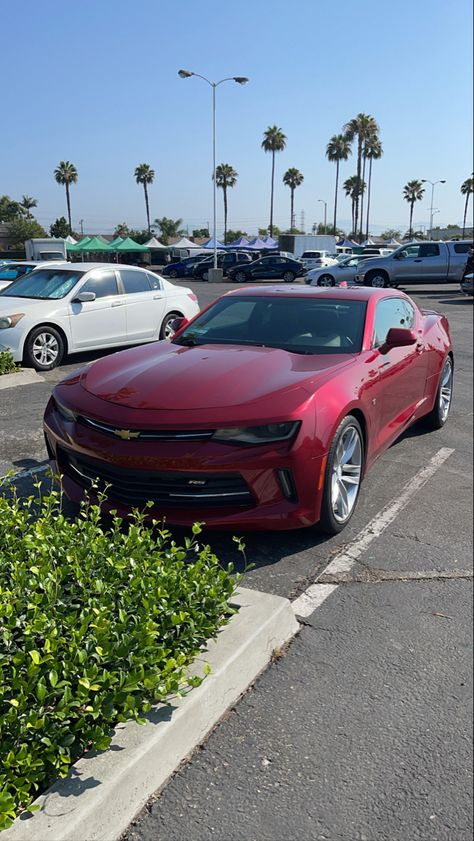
134, 282
103, 284
428, 250
154, 281
462, 247
391, 312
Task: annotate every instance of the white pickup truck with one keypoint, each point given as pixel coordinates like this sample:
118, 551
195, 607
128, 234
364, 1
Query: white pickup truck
416, 262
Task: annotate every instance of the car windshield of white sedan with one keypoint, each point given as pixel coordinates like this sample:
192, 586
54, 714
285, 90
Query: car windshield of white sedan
299, 325
43, 284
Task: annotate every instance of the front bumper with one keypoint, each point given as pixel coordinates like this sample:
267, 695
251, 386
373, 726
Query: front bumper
12, 339
225, 486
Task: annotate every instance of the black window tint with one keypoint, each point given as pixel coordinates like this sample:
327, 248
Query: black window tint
428, 250
154, 281
134, 282
392, 312
103, 284
462, 247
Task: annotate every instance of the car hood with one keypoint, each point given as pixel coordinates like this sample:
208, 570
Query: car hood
165, 376
10, 305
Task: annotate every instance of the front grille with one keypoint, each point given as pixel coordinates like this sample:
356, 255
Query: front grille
172, 489
148, 434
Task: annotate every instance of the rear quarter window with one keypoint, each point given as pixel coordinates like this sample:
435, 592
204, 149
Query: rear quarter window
462, 247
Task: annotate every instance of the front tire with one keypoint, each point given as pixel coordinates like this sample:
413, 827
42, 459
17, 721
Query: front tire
444, 395
240, 277
166, 331
288, 277
173, 274
343, 476
44, 348
326, 280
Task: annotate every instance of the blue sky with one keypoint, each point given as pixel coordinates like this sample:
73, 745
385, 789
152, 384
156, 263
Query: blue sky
96, 83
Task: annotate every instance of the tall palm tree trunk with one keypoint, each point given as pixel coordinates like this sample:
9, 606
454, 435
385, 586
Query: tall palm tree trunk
68, 201
465, 214
362, 197
147, 205
359, 162
271, 194
412, 204
224, 192
292, 208
369, 187
335, 196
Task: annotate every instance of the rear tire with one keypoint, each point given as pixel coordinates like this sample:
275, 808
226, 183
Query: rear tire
173, 273
378, 280
205, 276
444, 395
240, 277
44, 348
288, 277
344, 469
165, 330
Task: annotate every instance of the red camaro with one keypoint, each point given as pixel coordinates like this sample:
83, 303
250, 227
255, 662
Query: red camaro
264, 412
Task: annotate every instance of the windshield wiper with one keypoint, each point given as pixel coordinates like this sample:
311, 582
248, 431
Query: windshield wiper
190, 340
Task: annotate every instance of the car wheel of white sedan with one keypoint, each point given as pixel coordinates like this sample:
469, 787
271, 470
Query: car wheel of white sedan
166, 330
44, 348
343, 476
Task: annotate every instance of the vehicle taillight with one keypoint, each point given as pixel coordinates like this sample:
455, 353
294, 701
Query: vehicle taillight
192, 296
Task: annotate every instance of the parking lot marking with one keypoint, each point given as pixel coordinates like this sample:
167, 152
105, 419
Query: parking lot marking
343, 562
23, 474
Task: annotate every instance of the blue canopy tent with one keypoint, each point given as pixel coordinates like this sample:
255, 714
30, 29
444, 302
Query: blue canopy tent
213, 243
346, 243
241, 242
270, 242
257, 244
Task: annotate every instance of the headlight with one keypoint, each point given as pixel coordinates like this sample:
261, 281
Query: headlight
10, 320
257, 434
66, 413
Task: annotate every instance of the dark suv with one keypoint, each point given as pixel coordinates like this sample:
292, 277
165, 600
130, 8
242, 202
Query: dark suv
267, 268
226, 262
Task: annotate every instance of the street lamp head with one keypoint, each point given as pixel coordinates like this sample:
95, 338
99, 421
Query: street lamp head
241, 80
443, 181
185, 74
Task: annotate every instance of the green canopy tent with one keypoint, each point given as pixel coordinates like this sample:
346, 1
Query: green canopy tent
77, 245
115, 242
129, 244
94, 244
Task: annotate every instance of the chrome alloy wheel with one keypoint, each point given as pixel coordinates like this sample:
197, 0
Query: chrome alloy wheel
45, 348
346, 474
446, 389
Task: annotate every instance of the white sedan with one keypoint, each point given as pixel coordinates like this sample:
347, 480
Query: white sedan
345, 270
75, 307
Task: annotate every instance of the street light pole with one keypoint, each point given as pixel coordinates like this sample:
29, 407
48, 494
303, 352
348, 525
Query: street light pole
325, 213
241, 80
433, 184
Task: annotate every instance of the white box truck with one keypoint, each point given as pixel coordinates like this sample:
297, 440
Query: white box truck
46, 249
297, 244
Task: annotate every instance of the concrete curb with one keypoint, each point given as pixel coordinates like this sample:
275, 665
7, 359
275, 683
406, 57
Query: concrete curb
24, 376
104, 792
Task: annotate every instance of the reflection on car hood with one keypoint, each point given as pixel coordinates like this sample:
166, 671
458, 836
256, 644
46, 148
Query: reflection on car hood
168, 376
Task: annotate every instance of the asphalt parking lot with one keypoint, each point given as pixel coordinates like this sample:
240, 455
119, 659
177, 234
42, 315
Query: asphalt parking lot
361, 730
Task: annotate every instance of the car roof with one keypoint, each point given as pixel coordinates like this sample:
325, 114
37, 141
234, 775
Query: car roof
352, 293
86, 267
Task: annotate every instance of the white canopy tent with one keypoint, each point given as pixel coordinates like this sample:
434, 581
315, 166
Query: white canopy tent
184, 242
155, 243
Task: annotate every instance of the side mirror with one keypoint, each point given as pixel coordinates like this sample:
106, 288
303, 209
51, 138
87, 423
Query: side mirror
398, 337
397, 256
84, 298
178, 324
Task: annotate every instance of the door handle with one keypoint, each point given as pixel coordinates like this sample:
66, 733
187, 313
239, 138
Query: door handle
418, 260
117, 303
157, 297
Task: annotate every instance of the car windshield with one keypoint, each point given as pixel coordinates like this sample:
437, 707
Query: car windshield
305, 325
44, 284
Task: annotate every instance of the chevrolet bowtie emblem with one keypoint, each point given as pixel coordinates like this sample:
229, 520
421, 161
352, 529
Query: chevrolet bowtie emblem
126, 434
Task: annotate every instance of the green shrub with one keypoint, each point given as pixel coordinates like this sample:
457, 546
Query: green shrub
96, 624
7, 364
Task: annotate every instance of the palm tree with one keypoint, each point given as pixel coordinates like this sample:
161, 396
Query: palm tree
467, 187
66, 173
373, 151
363, 126
226, 177
28, 203
413, 191
293, 178
145, 175
273, 141
169, 228
353, 187
337, 150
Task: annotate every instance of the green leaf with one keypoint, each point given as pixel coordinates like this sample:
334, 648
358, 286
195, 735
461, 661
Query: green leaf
35, 656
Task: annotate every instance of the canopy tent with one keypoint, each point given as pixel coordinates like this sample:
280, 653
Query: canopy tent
129, 244
155, 243
71, 239
270, 242
393, 242
93, 244
71, 246
115, 242
257, 244
213, 243
184, 242
346, 243
241, 242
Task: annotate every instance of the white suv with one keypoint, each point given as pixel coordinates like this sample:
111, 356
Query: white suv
317, 259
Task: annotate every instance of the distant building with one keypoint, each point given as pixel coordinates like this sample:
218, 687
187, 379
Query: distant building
451, 233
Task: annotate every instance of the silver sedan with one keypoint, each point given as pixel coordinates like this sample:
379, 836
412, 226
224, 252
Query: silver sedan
345, 270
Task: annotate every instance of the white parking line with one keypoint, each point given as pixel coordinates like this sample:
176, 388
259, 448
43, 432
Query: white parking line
24, 473
316, 594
